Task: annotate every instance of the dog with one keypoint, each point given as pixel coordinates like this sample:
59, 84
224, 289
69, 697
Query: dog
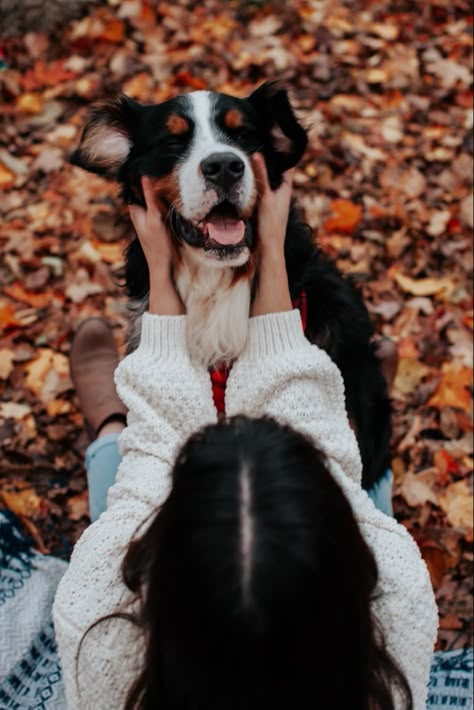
197, 148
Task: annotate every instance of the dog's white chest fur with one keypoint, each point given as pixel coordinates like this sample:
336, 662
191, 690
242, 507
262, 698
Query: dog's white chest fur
217, 309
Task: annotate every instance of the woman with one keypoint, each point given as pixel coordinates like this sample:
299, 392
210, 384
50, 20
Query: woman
267, 579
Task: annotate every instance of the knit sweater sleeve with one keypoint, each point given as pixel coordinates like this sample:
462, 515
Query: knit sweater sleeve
282, 375
168, 398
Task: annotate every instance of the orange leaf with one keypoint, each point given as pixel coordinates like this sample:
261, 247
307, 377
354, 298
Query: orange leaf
452, 388
138, 86
44, 74
184, 78
347, 216
8, 318
114, 31
7, 178
37, 300
445, 464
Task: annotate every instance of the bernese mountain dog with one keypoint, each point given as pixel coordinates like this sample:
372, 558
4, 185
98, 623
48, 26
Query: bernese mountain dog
197, 148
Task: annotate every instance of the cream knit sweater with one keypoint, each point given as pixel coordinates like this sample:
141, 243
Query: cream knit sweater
169, 397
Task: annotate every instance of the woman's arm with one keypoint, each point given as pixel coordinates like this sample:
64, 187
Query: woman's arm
168, 398
282, 375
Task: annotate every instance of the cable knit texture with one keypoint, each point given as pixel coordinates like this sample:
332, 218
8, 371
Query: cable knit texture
279, 374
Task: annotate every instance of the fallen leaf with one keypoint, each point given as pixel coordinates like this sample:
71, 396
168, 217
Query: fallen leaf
425, 287
6, 363
111, 253
48, 160
37, 300
410, 373
418, 488
30, 103
82, 286
12, 410
346, 217
48, 375
466, 210
456, 501
7, 178
452, 390
24, 502
446, 465
438, 223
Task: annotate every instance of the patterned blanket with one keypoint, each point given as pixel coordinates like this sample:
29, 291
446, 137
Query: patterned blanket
30, 674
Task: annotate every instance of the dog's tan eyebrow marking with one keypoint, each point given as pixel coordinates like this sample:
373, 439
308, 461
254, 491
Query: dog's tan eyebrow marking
177, 124
233, 118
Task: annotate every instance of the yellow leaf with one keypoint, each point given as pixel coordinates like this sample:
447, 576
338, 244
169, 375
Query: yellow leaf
48, 375
425, 287
24, 502
30, 103
456, 501
410, 372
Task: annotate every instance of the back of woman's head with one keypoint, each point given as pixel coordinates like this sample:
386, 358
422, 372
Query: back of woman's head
256, 582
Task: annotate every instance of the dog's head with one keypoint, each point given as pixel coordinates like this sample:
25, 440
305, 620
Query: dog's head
197, 147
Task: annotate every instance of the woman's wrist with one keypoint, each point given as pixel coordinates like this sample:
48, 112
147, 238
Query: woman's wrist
273, 292
164, 299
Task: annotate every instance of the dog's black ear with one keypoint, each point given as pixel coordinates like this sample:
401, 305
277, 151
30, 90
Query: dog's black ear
107, 137
286, 139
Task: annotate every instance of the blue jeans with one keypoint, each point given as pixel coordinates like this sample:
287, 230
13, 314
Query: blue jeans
103, 458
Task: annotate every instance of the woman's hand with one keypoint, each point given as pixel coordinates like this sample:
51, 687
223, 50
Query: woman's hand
158, 249
273, 294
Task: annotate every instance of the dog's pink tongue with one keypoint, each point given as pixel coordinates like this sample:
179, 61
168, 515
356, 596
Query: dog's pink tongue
226, 231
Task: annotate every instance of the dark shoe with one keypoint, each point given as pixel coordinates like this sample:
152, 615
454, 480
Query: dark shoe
92, 362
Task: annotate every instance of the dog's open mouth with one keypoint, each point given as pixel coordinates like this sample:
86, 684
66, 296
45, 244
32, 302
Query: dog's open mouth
221, 229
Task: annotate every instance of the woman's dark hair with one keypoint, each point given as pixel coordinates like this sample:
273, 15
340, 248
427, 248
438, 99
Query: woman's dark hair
256, 583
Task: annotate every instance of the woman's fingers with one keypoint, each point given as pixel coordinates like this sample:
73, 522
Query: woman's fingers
138, 217
261, 175
148, 192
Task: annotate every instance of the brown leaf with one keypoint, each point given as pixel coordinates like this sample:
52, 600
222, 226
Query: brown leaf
6, 362
456, 501
78, 506
418, 488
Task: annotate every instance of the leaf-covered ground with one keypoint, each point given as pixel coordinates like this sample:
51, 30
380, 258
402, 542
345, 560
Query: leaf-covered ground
385, 88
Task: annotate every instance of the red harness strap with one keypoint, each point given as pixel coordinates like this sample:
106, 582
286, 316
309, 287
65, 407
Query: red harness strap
219, 375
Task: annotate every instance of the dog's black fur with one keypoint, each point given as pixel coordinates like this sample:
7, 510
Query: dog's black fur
337, 319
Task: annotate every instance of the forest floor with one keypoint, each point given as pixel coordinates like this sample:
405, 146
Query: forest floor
386, 183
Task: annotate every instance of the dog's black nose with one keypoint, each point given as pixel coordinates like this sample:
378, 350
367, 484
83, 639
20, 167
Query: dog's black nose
223, 169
